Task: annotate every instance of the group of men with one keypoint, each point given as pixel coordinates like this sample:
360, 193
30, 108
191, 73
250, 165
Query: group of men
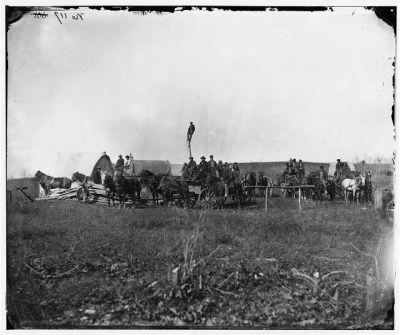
210, 167
224, 171
122, 164
341, 169
294, 168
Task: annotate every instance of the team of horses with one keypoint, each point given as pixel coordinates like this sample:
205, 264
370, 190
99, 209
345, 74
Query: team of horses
122, 188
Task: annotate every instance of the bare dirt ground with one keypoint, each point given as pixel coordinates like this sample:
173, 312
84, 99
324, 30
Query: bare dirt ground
76, 265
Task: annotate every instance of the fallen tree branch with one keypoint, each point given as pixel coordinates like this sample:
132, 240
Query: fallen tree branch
304, 276
332, 273
369, 255
225, 280
62, 274
33, 270
227, 292
49, 276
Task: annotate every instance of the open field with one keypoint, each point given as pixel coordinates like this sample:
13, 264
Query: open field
79, 265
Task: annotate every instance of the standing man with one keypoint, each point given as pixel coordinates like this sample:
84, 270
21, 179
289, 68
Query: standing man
323, 176
191, 167
301, 169
220, 168
190, 132
338, 172
226, 177
236, 172
212, 166
119, 165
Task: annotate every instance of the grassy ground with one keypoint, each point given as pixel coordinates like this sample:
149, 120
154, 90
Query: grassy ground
72, 265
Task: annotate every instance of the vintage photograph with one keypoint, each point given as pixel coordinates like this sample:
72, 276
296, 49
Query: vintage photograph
202, 167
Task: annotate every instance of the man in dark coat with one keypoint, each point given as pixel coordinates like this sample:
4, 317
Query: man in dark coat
190, 131
191, 167
212, 166
97, 176
300, 169
119, 165
226, 178
236, 172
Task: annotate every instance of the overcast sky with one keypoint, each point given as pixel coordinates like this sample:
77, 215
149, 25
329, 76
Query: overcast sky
259, 86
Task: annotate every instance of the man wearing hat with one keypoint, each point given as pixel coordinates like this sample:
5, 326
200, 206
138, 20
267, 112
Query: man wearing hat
192, 163
220, 167
339, 169
119, 165
236, 172
300, 168
203, 166
212, 166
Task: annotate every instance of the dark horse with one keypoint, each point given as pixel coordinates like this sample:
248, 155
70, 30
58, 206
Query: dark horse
235, 190
125, 187
150, 180
250, 179
174, 187
48, 182
319, 190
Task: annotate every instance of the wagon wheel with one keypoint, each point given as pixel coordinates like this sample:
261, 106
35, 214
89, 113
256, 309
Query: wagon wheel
208, 199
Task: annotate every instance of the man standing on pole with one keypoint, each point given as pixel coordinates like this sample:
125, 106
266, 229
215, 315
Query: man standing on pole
190, 132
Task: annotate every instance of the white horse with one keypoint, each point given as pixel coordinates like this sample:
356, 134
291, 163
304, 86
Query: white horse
352, 186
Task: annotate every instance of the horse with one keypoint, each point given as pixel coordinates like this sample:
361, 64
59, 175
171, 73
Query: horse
249, 179
125, 187
235, 190
150, 180
331, 189
352, 186
171, 187
320, 189
82, 180
109, 187
263, 180
48, 182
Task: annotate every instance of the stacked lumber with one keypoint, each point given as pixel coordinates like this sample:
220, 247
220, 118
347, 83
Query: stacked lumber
97, 194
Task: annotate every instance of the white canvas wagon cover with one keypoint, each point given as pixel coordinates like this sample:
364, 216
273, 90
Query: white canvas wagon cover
332, 167
158, 167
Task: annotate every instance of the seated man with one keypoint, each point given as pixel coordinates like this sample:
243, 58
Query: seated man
192, 166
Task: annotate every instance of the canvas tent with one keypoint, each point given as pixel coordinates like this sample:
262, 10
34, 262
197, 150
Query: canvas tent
30, 186
332, 167
105, 164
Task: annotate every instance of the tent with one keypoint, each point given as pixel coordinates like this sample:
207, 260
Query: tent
332, 167
105, 164
30, 186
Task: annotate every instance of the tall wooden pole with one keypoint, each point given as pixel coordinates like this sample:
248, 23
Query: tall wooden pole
190, 149
299, 198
